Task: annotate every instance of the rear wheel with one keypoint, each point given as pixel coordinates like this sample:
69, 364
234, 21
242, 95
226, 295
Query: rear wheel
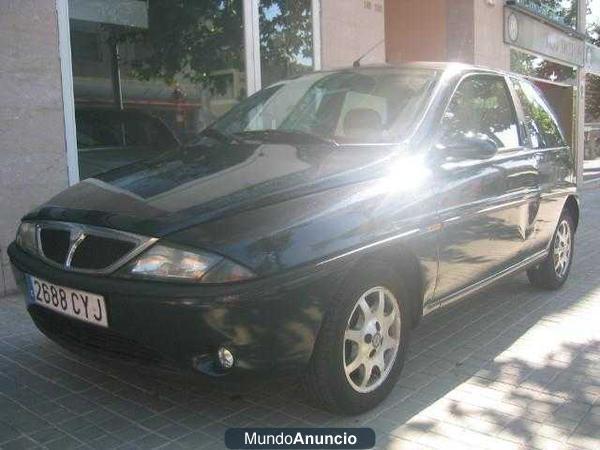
360, 350
554, 270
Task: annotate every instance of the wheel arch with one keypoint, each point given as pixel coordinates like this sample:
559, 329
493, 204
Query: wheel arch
572, 205
406, 264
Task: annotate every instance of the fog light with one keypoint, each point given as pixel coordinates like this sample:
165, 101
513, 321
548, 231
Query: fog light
225, 358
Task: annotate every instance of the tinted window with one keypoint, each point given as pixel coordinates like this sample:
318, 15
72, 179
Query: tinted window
482, 105
540, 122
109, 129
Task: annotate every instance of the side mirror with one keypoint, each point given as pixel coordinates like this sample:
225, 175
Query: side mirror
469, 146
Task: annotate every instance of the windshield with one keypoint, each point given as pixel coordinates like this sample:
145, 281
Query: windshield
347, 107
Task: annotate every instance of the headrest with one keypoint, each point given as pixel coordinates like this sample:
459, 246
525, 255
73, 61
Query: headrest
362, 121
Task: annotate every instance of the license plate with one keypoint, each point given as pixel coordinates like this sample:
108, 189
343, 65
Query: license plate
74, 303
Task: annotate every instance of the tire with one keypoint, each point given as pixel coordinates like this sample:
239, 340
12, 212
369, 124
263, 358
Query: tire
327, 381
551, 276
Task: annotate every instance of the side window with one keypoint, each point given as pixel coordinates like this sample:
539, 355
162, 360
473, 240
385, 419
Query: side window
540, 122
482, 105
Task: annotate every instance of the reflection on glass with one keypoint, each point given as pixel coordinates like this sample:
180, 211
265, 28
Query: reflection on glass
537, 67
148, 74
482, 105
592, 118
592, 20
539, 121
563, 12
366, 106
286, 42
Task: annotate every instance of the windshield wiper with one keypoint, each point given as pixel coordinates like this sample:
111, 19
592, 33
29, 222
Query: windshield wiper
219, 135
283, 135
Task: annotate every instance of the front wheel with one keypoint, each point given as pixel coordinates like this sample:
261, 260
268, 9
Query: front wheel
554, 270
361, 346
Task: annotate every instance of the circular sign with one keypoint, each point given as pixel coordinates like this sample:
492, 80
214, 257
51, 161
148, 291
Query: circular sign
513, 27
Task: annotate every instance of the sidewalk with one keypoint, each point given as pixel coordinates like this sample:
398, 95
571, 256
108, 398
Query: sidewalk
511, 368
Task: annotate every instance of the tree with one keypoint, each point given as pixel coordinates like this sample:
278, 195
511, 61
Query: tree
285, 38
189, 39
562, 11
592, 82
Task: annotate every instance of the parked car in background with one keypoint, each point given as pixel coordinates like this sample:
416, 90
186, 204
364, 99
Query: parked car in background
109, 138
310, 228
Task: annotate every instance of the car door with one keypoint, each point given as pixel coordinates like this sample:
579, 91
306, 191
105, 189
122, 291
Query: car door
483, 201
553, 158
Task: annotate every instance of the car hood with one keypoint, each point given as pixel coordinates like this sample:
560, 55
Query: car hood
198, 184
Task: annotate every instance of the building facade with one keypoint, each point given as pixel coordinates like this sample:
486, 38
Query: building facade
88, 85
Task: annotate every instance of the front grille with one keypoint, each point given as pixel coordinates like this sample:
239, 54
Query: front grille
73, 333
55, 244
86, 248
97, 252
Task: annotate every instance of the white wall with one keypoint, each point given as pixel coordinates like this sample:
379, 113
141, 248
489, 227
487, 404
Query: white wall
490, 49
33, 163
348, 29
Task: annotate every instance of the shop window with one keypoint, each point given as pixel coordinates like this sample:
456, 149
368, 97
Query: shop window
286, 41
538, 67
178, 64
563, 12
482, 105
592, 21
592, 118
149, 75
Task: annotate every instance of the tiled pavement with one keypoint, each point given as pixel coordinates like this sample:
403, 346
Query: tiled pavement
510, 368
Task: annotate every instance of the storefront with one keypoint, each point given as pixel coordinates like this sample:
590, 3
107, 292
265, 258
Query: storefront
94, 84
559, 49
551, 42
149, 74
89, 85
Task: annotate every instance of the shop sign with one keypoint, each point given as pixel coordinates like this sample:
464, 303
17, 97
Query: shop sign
525, 32
129, 13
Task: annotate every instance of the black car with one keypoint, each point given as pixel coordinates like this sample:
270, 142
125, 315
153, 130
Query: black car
310, 228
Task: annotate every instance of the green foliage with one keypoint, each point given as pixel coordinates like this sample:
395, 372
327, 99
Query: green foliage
285, 37
537, 67
562, 11
190, 39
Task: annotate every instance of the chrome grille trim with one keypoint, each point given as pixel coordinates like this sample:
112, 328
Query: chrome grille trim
78, 233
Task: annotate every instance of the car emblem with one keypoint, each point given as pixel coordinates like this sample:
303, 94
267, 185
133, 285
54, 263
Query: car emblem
77, 237
377, 340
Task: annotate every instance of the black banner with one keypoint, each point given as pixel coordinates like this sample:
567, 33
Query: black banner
300, 438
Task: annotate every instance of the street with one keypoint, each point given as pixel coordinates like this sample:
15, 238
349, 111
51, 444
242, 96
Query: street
512, 367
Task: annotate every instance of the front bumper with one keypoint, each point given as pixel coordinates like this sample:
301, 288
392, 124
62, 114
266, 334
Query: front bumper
268, 324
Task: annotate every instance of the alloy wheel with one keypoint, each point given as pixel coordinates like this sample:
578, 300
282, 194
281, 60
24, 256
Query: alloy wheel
371, 339
562, 249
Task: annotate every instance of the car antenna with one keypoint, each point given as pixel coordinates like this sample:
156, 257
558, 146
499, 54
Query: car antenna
356, 63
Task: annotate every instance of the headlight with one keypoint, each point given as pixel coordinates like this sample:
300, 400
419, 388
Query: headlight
27, 237
173, 264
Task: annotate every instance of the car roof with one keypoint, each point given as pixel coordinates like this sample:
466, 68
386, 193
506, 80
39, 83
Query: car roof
455, 67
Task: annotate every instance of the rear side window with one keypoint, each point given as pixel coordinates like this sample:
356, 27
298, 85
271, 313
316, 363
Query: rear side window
482, 104
540, 123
